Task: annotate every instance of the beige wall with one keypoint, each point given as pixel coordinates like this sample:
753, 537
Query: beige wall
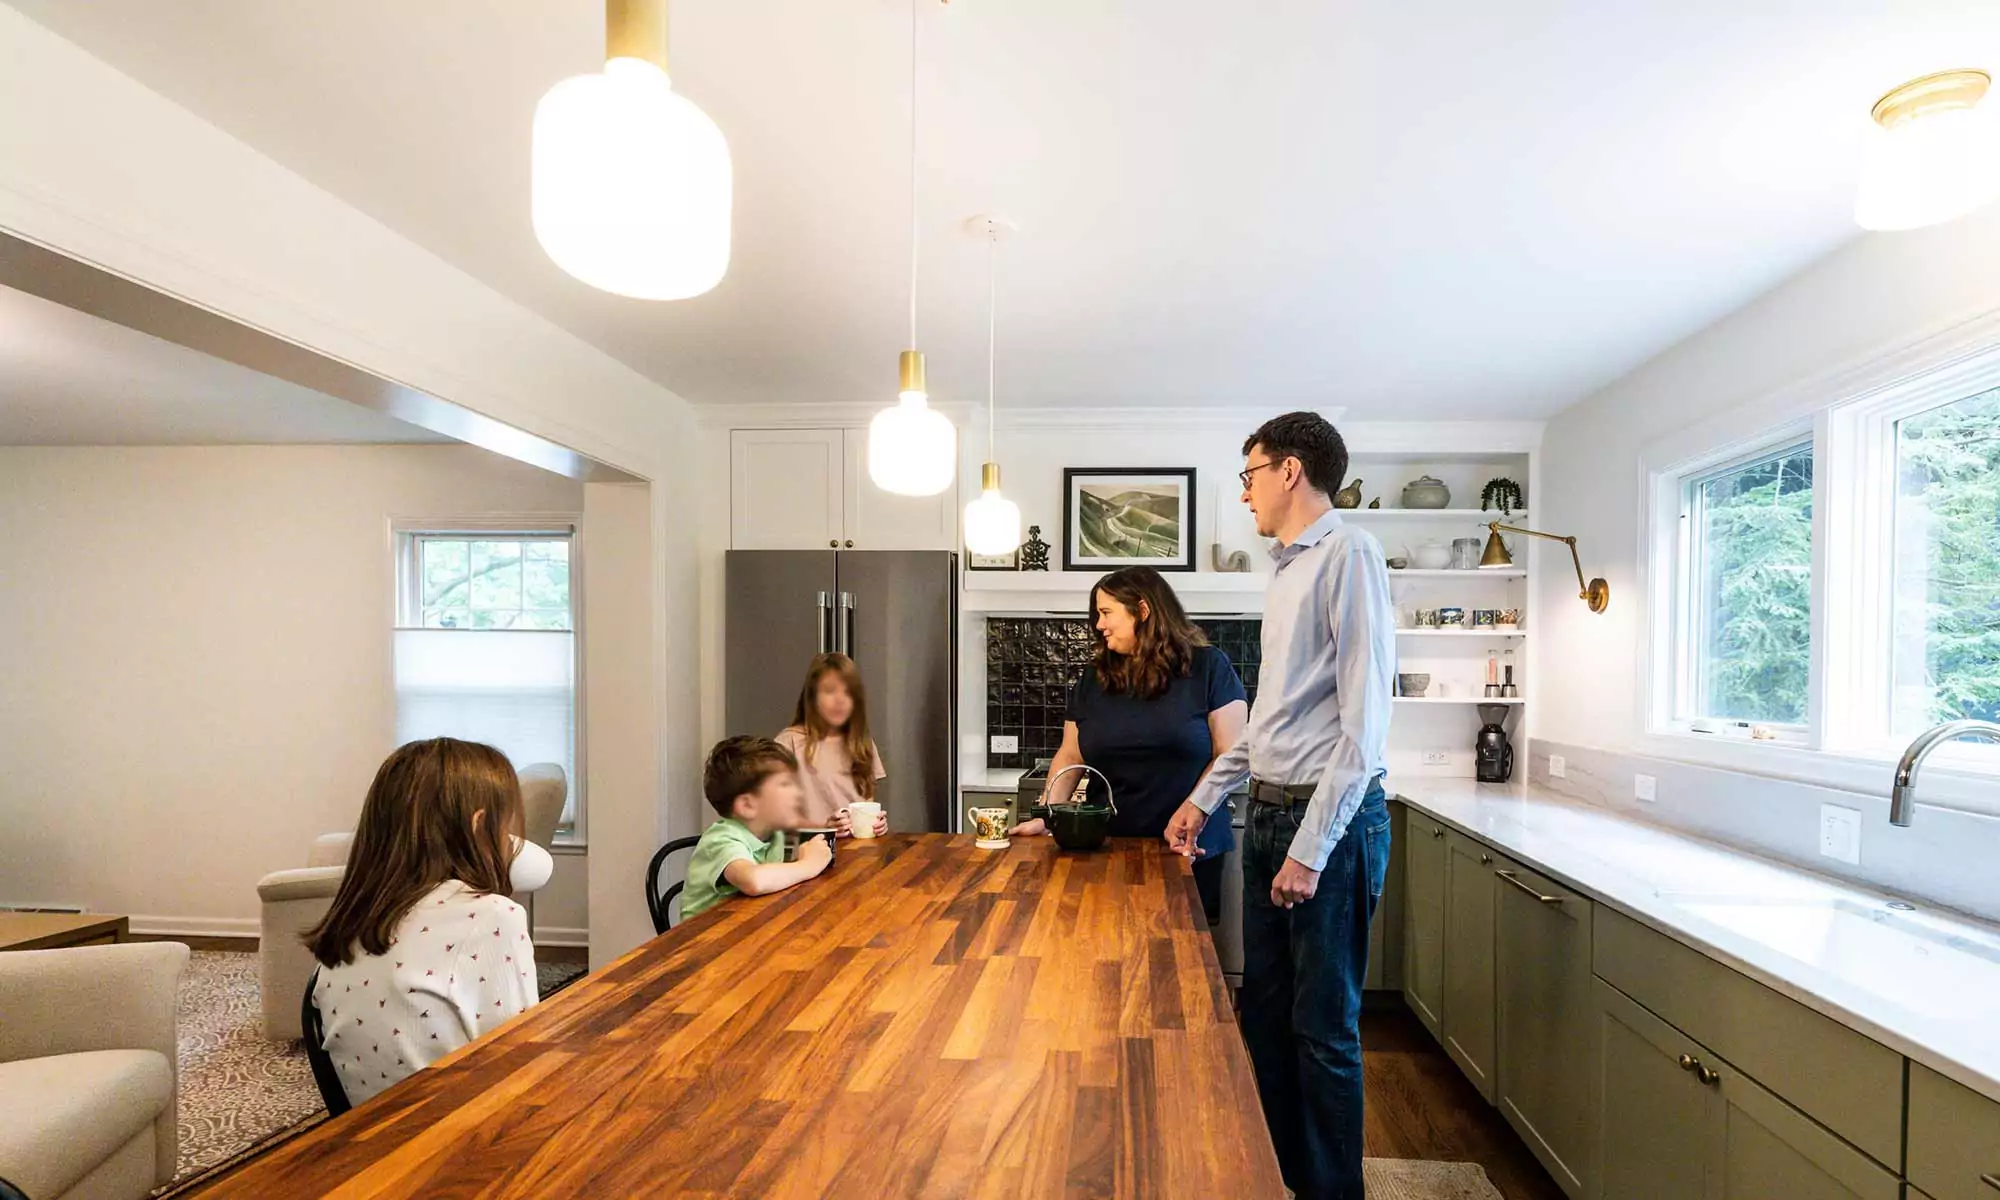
112, 173
198, 656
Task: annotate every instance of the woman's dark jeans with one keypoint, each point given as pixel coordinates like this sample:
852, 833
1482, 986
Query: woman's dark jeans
1302, 974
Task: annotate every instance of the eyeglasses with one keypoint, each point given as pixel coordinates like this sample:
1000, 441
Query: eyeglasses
1245, 474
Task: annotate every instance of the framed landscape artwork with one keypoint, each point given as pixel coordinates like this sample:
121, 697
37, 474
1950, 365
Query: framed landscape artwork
1128, 517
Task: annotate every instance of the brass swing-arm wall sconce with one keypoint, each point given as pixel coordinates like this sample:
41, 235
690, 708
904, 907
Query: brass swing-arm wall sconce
1596, 593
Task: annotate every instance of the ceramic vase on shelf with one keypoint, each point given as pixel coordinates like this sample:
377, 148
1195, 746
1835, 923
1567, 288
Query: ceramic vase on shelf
1426, 492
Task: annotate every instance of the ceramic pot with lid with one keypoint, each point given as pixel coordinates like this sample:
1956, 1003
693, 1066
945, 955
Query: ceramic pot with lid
1430, 556
1427, 492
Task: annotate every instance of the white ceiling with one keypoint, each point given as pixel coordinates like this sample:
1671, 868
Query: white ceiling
70, 379
1399, 207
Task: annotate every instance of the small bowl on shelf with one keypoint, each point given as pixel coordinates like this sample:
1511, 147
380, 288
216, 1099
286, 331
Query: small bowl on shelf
1413, 683
1399, 563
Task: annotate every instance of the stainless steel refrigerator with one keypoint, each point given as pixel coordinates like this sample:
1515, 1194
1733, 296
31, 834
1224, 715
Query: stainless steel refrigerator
895, 612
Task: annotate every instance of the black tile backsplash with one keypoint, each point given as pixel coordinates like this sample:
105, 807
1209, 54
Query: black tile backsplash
1032, 661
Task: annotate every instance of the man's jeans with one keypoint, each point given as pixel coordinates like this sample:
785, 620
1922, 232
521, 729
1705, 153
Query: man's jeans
1302, 973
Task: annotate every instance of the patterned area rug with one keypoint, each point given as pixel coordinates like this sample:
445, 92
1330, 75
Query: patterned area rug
1416, 1179
238, 1089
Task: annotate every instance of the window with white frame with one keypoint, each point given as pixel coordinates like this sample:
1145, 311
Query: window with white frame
486, 643
1745, 627
1839, 585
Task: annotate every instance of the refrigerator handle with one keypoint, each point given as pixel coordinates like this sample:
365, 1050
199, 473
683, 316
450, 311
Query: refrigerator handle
823, 621
845, 630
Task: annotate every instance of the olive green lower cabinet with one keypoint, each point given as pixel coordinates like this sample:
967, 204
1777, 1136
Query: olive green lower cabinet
1679, 1123
1954, 1139
1545, 1009
1467, 1018
1423, 919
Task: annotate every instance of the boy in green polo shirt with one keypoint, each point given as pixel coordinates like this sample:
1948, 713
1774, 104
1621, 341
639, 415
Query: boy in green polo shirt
753, 783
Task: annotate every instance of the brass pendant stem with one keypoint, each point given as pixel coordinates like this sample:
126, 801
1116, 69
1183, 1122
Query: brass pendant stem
910, 367
989, 477
636, 29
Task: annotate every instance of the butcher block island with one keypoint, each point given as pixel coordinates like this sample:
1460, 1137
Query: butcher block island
924, 1019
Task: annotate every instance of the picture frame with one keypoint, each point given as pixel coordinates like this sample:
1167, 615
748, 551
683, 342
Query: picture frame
1010, 561
1129, 517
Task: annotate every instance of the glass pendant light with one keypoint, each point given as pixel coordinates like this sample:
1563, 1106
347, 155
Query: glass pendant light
912, 448
1935, 153
992, 522
630, 182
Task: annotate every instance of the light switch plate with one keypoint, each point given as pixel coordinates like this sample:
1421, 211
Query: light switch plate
1437, 758
1645, 787
1006, 743
1840, 833
1557, 765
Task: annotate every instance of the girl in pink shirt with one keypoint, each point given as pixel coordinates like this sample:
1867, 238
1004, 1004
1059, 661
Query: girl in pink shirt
838, 761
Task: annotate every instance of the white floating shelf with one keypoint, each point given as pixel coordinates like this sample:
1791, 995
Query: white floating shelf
1456, 700
1451, 573
1480, 515
1462, 633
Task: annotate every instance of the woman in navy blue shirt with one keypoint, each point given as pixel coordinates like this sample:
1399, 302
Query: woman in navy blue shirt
1154, 709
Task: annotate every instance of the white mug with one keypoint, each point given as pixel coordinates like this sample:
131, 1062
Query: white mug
861, 817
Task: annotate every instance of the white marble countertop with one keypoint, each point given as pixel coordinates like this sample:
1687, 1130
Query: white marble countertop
1925, 983
982, 780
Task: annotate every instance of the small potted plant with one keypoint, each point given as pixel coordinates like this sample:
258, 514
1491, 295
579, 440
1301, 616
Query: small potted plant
1503, 494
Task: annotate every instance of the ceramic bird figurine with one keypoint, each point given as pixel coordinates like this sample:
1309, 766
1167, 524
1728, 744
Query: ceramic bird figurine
1375, 503
1349, 496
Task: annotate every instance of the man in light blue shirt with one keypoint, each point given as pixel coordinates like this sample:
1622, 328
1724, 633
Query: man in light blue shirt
1316, 842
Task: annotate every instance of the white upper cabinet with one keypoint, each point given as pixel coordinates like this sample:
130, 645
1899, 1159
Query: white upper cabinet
785, 489
879, 520
808, 489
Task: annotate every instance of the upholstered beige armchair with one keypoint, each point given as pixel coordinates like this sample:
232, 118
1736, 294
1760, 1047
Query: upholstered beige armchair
88, 1071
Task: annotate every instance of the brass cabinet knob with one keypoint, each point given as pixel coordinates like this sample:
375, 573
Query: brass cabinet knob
1707, 1074
1437, 833
833, 543
1486, 860
850, 543
1689, 1062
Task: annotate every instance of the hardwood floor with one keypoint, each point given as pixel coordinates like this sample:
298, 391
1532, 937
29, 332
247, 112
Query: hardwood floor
1419, 1106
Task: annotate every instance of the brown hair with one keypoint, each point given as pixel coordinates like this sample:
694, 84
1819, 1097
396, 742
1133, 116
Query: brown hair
1310, 438
417, 830
740, 765
860, 747
1165, 639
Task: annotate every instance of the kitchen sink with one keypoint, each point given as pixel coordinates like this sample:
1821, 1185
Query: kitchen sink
1900, 956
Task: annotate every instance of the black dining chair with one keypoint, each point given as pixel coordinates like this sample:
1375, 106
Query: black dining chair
657, 902
324, 1075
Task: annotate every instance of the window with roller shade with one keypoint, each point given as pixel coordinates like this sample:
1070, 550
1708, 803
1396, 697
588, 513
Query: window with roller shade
486, 645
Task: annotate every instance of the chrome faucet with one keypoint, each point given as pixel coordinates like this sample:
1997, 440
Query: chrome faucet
1903, 796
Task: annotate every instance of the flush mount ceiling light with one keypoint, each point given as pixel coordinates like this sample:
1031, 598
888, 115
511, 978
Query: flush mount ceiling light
912, 448
992, 522
1935, 153
630, 187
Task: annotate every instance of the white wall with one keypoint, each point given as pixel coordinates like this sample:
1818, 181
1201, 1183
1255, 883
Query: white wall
199, 661
1778, 357
98, 167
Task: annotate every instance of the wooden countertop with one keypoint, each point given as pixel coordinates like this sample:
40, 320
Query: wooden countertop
925, 1019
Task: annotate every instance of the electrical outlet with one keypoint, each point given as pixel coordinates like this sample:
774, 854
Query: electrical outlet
1557, 765
1840, 833
1645, 787
1437, 758
1003, 744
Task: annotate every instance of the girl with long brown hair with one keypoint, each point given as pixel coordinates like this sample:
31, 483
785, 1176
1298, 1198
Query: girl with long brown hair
838, 761
1157, 705
422, 951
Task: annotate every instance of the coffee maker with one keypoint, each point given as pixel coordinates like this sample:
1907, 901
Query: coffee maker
1493, 755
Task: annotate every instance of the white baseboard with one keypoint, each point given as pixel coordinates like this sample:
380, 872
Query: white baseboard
244, 927
172, 926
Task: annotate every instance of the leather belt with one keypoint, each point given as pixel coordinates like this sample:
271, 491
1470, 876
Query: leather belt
1279, 795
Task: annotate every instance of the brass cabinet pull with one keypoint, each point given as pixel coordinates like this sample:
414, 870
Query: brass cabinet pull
1437, 833
1992, 1181
1486, 860
1689, 1062
1708, 1075
1514, 879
